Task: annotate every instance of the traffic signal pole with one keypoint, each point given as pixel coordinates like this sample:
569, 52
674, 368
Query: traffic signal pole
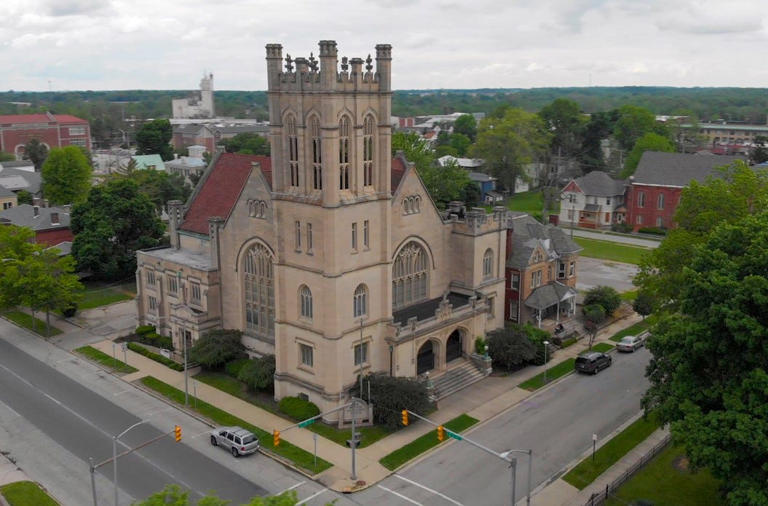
505, 455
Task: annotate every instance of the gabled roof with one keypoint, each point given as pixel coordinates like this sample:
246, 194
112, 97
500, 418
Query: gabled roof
24, 216
528, 234
4, 192
148, 161
599, 184
678, 169
20, 179
549, 295
221, 188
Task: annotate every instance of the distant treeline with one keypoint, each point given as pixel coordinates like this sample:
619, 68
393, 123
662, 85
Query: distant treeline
106, 110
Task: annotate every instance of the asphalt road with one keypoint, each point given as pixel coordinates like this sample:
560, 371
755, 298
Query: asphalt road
56, 411
557, 424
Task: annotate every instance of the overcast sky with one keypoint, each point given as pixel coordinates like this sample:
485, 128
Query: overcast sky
167, 44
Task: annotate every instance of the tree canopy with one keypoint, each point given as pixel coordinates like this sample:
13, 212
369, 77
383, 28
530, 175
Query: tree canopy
708, 374
633, 122
66, 176
508, 141
154, 137
648, 142
217, 347
466, 125
566, 124
247, 144
110, 226
158, 185
36, 152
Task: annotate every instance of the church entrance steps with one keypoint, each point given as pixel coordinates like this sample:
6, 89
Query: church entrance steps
456, 378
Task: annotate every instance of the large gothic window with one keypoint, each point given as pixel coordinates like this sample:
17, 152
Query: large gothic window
344, 153
305, 300
259, 292
317, 153
409, 276
293, 150
488, 264
368, 129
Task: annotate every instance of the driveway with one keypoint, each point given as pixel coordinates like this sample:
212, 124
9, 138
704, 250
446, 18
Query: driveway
593, 272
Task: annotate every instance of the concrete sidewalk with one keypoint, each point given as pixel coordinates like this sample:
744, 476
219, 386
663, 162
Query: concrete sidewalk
483, 400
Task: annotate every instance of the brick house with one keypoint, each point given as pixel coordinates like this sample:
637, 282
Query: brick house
654, 190
540, 273
51, 224
53, 130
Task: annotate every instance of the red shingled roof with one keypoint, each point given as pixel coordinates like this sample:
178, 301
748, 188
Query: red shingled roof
221, 189
39, 118
398, 169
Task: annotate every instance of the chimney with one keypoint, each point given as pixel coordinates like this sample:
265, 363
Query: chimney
174, 220
36, 210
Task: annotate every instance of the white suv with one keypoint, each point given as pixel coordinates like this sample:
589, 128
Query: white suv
238, 440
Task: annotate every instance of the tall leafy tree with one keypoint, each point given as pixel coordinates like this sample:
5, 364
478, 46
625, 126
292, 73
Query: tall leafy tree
709, 372
566, 124
247, 144
115, 221
633, 123
466, 125
648, 142
36, 152
66, 176
159, 186
599, 126
759, 153
154, 137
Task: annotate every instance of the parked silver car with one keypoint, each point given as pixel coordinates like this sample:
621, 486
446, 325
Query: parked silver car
631, 343
238, 440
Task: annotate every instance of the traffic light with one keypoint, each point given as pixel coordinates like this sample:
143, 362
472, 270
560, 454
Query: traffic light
440, 433
177, 432
405, 417
276, 438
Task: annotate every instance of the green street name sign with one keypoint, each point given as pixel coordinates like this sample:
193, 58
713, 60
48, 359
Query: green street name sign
454, 435
306, 422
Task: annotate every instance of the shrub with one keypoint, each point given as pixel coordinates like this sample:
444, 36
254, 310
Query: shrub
624, 228
233, 367
480, 346
653, 230
605, 296
391, 395
70, 310
510, 347
297, 408
217, 347
154, 339
594, 313
537, 337
155, 356
259, 373
142, 330
643, 304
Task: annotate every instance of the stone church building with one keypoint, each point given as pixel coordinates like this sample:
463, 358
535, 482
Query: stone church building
330, 254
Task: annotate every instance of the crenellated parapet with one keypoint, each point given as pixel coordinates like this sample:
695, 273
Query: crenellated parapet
289, 74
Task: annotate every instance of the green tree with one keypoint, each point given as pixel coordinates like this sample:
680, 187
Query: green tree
392, 394
634, 122
460, 143
110, 226
247, 144
16, 245
258, 373
708, 371
66, 176
217, 347
24, 197
599, 127
566, 123
154, 137
466, 125
509, 143
643, 304
513, 346
759, 153
648, 142
36, 152
159, 186
605, 296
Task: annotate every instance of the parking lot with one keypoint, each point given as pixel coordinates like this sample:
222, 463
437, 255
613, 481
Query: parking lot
593, 272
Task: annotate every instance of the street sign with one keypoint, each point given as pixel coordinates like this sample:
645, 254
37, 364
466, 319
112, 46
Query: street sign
454, 436
305, 423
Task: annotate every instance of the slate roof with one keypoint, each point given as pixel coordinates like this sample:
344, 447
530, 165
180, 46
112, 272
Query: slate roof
24, 216
527, 234
15, 164
678, 169
425, 310
19, 179
600, 184
5, 192
548, 295
221, 188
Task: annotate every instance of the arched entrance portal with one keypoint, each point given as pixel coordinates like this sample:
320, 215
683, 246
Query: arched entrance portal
453, 346
425, 360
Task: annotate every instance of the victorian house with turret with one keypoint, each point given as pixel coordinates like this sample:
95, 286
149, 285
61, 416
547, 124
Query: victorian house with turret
330, 254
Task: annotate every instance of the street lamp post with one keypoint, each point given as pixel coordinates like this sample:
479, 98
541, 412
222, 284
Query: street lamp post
546, 345
570, 198
114, 455
513, 465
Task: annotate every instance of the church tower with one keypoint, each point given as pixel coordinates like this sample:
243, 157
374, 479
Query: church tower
331, 186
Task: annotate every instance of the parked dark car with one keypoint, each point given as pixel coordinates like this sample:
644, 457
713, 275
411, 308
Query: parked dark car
592, 362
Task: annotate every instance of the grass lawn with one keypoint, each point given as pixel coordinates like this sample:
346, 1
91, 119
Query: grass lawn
667, 480
632, 330
421, 444
586, 471
607, 250
527, 202
553, 373
602, 347
298, 456
26, 493
102, 358
99, 294
629, 296
232, 386
29, 322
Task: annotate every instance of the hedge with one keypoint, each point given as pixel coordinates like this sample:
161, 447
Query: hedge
155, 356
142, 330
233, 367
297, 408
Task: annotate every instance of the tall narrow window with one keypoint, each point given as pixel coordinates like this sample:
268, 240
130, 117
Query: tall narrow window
173, 284
366, 234
259, 285
309, 238
361, 301
344, 153
361, 353
298, 236
354, 236
195, 296
661, 201
293, 150
305, 302
409, 276
640, 199
488, 264
307, 358
368, 129
317, 154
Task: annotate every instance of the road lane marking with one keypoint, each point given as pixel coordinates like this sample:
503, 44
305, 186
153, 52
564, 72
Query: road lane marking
457, 503
310, 497
401, 496
291, 487
121, 392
